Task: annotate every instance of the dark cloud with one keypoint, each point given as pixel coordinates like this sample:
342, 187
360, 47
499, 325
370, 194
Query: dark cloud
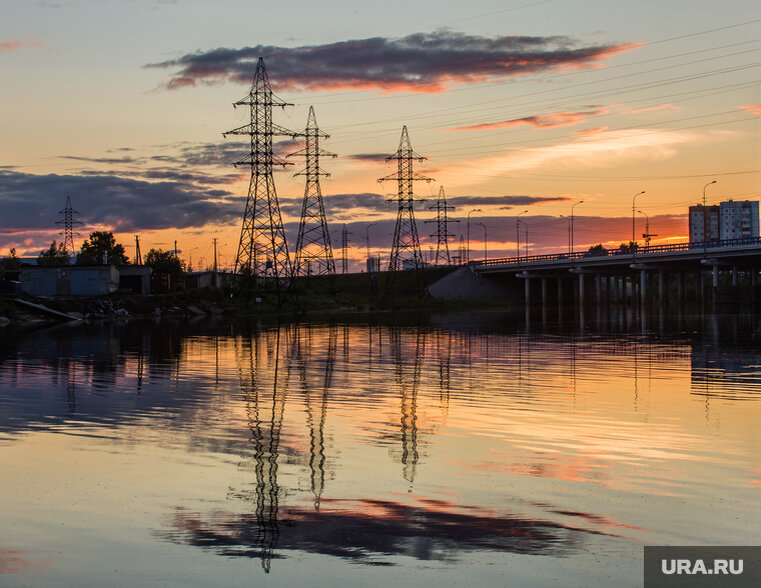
371, 157
101, 159
32, 202
422, 62
504, 202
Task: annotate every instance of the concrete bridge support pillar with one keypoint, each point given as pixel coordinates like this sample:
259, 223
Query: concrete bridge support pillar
581, 290
598, 290
753, 276
560, 291
621, 289
642, 288
715, 282
680, 294
734, 275
699, 289
527, 291
661, 288
544, 293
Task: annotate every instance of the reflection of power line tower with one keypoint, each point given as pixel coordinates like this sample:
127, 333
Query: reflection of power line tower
313, 243
406, 239
315, 421
262, 249
442, 234
409, 390
265, 417
68, 223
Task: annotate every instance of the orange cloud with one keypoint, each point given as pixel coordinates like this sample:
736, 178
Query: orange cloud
542, 121
585, 132
651, 108
754, 108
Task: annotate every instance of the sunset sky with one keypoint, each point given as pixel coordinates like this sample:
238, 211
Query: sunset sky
522, 105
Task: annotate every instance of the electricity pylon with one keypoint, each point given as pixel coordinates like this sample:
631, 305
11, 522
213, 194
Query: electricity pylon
68, 223
314, 253
442, 233
262, 249
406, 239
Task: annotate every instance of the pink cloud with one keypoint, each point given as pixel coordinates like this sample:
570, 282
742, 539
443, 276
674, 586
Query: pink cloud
754, 108
15, 45
542, 121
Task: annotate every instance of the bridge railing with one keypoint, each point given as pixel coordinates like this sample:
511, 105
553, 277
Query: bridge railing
693, 246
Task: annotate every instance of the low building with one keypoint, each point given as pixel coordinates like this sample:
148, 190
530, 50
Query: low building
69, 280
135, 278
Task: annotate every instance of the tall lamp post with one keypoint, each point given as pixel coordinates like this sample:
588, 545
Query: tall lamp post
568, 220
485, 250
705, 215
575, 204
467, 250
634, 210
646, 236
518, 233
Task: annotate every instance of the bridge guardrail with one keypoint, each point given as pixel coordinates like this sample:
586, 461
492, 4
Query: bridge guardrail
693, 246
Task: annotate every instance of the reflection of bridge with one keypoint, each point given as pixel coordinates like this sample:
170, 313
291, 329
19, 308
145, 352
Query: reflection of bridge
624, 274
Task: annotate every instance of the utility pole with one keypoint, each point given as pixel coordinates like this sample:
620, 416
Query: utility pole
442, 233
214, 243
406, 239
138, 255
68, 223
262, 244
313, 243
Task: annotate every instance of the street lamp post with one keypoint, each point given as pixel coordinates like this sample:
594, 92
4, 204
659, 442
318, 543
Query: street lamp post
485, 236
467, 250
705, 215
575, 204
518, 233
634, 209
646, 236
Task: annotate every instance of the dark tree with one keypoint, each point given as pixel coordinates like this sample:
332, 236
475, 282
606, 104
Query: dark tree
10, 261
56, 254
99, 244
165, 262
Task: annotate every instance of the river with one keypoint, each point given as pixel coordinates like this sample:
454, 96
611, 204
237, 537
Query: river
453, 450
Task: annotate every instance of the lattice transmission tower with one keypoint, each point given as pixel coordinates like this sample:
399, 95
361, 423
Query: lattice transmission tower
262, 249
406, 241
68, 223
314, 253
345, 249
442, 233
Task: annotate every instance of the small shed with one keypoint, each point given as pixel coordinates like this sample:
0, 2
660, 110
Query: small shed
69, 280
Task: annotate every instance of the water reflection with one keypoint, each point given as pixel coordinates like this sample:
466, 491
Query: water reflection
373, 443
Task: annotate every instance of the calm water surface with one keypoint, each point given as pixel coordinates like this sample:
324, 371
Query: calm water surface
462, 451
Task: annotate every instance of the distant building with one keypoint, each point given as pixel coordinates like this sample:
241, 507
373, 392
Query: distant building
739, 220
373, 264
727, 220
704, 228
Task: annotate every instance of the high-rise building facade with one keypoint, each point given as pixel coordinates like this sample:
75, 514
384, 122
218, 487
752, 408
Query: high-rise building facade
739, 220
704, 228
